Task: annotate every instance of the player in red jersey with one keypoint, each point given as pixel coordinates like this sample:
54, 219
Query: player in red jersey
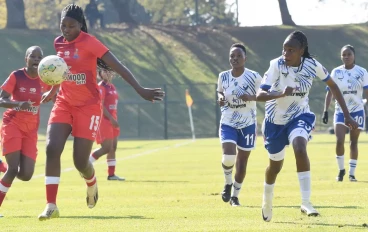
77, 109
21, 93
109, 130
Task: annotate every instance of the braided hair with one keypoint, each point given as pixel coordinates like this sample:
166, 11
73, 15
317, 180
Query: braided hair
302, 38
76, 12
351, 48
239, 45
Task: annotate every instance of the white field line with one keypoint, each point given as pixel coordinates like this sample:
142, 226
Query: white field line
148, 152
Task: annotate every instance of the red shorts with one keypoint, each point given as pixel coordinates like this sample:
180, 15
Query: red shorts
13, 139
106, 131
85, 120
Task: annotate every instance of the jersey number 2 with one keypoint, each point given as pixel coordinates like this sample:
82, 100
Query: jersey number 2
95, 122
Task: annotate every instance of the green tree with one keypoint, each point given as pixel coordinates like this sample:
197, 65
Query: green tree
183, 12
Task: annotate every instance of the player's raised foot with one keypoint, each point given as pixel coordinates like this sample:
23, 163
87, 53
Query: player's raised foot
226, 193
341, 175
266, 212
352, 178
92, 196
51, 211
308, 209
115, 177
234, 201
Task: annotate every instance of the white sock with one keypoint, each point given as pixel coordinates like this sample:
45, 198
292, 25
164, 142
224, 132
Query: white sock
236, 189
92, 159
228, 175
305, 185
352, 165
340, 162
268, 194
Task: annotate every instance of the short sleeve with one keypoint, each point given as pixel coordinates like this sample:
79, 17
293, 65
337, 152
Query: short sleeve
102, 92
96, 47
219, 84
9, 84
322, 73
365, 79
270, 76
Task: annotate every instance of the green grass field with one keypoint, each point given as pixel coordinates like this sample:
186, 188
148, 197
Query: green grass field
174, 185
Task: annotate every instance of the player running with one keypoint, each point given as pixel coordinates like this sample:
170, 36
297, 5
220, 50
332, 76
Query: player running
21, 94
352, 81
109, 130
288, 119
237, 95
77, 109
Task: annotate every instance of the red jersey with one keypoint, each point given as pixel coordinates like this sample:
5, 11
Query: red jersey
110, 98
81, 55
24, 88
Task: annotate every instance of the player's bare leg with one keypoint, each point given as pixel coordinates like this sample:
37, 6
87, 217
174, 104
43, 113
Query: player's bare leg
81, 152
303, 169
354, 136
273, 169
57, 134
26, 168
111, 161
241, 169
13, 160
340, 131
228, 162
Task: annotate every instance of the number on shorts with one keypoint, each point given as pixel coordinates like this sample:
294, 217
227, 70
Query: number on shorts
249, 139
301, 123
95, 121
359, 119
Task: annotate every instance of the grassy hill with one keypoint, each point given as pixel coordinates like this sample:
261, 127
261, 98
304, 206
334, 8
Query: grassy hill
182, 58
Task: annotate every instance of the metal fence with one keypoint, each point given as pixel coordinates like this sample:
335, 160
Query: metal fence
169, 119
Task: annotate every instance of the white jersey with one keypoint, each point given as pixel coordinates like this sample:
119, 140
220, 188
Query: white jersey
236, 112
351, 84
282, 110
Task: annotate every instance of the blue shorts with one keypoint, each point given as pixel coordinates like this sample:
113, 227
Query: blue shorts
278, 136
358, 116
244, 138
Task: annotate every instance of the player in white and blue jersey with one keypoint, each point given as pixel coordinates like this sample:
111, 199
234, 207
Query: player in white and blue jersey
352, 81
288, 119
237, 90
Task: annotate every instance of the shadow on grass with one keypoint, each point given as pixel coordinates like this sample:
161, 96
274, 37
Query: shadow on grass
97, 217
157, 181
324, 224
317, 207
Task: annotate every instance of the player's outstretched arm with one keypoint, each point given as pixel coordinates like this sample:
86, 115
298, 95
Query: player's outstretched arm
264, 95
6, 102
349, 121
146, 93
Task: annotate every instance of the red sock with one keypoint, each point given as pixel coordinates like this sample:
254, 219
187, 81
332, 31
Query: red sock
111, 167
3, 167
4, 187
52, 185
91, 181
94, 156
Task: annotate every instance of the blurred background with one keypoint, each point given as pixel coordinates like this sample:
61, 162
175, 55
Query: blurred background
181, 45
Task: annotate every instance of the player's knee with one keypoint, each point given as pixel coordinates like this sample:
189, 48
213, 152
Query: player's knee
81, 165
12, 171
53, 150
277, 156
25, 176
340, 142
274, 169
228, 160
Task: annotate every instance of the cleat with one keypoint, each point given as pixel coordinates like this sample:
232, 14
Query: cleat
92, 196
51, 211
352, 178
266, 212
234, 201
226, 193
115, 177
341, 175
308, 209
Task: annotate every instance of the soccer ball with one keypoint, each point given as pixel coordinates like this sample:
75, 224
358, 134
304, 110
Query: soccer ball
53, 70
